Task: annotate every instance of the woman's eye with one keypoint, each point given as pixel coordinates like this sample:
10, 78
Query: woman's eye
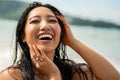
34, 22
53, 21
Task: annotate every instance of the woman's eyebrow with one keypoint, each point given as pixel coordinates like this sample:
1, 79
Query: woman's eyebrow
37, 16
51, 16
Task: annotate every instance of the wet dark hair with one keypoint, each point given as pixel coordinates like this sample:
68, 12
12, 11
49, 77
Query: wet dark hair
60, 58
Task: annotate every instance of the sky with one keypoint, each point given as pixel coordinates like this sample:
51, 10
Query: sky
107, 10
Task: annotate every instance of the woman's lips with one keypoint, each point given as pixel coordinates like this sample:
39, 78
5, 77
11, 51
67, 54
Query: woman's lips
45, 37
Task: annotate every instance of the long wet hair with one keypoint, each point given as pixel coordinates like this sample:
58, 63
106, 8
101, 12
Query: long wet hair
60, 58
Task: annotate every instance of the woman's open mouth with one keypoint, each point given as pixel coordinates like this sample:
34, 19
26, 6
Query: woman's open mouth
45, 37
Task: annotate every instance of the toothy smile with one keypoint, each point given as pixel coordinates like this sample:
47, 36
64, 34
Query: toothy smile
45, 37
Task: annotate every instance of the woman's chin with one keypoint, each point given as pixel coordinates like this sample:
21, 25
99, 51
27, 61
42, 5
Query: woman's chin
46, 48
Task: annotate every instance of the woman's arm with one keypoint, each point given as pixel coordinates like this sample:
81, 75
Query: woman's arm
99, 65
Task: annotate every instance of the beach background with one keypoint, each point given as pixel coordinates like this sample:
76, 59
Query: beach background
106, 41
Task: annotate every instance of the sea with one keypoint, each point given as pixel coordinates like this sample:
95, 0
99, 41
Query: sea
106, 41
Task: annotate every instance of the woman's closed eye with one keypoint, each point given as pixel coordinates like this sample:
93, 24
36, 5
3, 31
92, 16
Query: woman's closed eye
52, 21
34, 21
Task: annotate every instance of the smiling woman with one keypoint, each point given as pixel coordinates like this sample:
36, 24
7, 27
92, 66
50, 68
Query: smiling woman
42, 35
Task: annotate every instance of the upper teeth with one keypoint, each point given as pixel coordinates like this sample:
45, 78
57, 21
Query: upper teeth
45, 35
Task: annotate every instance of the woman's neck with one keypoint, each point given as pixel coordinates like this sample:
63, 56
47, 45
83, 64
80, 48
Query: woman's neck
50, 55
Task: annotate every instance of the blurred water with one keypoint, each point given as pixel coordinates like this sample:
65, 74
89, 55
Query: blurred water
106, 41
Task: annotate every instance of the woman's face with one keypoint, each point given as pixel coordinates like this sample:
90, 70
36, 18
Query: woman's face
42, 29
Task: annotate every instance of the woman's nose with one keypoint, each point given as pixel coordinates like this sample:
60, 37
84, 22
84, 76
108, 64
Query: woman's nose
44, 25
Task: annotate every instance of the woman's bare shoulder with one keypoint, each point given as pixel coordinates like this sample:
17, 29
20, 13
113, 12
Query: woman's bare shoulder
11, 74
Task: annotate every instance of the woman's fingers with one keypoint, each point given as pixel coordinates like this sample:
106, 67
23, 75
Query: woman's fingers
39, 53
36, 56
42, 53
61, 18
68, 36
32, 52
33, 57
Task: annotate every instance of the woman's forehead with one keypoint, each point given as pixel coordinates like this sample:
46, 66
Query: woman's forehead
41, 11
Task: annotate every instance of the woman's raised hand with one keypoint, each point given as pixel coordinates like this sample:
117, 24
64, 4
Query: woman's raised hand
68, 38
43, 65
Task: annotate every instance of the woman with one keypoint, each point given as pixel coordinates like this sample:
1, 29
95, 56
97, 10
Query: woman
41, 36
